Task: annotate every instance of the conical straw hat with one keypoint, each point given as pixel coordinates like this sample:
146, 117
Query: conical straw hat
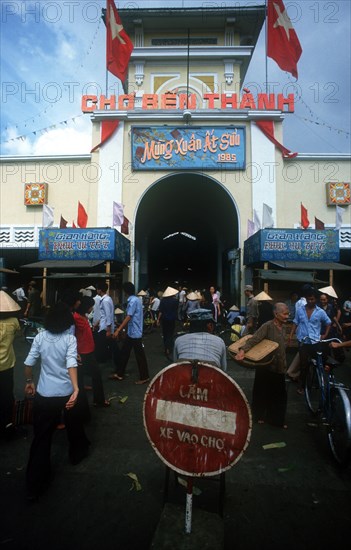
263, 297
118, 311
234, 308
328, 290
7, 304
192, 296
170, 291
141, 293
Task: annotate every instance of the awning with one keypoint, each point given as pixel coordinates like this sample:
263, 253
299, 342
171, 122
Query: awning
288, 275
83, 275
313, 266
64, 264
303, 272
8, 271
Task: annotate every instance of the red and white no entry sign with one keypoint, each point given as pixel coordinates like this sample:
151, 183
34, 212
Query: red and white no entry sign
196, 418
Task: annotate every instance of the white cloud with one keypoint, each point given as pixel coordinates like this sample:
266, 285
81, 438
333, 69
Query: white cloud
66, 51
70, 140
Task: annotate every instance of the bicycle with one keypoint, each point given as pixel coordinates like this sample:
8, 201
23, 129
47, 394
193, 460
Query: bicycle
328, 398
31, 327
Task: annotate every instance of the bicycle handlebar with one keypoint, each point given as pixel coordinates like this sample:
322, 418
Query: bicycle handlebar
321, 341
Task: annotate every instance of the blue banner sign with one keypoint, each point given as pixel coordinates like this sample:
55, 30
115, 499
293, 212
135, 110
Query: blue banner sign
83, 244
297, 245
188, 148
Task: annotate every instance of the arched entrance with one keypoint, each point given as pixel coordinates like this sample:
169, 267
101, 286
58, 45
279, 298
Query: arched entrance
186, 232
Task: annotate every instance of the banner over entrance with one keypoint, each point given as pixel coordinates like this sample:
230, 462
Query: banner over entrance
199, 148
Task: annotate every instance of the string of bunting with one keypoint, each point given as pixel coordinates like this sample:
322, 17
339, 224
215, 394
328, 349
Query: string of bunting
326, 125
41, 131
318, 120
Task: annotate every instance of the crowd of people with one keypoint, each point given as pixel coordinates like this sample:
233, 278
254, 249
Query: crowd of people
85, 328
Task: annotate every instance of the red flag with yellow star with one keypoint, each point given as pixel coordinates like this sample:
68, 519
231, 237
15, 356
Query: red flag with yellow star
119, 46
283, 44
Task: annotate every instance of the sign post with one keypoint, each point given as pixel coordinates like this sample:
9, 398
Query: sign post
197, 420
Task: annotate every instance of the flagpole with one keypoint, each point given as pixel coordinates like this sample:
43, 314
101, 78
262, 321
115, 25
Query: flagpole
266, 43
187, 71
103, 17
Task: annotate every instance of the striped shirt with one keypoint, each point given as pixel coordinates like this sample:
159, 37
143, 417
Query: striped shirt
202, 346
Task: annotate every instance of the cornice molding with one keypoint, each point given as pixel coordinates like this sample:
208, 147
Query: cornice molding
227, 115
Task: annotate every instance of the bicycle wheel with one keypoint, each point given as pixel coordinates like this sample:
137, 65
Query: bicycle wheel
339, 426
314, 386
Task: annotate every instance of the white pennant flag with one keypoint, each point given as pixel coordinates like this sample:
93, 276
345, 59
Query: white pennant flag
118, 215
48, 216
339, 215
267, 218
257, 221
250, 228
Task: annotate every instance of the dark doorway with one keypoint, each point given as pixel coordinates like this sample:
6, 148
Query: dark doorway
184, 224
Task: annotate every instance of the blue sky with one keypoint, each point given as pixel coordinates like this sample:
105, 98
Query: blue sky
54, 51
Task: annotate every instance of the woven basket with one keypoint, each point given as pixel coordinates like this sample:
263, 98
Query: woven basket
261, 354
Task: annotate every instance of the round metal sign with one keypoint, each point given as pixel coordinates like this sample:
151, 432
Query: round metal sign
197, 418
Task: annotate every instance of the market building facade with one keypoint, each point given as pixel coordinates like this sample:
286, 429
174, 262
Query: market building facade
188, 159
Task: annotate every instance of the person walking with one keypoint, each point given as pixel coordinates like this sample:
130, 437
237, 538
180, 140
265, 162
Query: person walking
216, 304
154, 307
105, 324
192, 303
133, 340
167, 316
86, 351
9, 327
181, 302
57, 390
251, 310
20, 297
33, 308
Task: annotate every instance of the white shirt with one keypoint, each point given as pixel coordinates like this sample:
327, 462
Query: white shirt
155, 304
19, 294
107, 313
300, 303
96, 311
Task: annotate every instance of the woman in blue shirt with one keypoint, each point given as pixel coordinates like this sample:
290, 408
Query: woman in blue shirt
56, 391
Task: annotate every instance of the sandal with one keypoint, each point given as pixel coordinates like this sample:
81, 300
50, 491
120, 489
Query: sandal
138, 382
115, 377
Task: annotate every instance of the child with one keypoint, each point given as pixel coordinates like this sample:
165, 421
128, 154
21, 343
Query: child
237, 329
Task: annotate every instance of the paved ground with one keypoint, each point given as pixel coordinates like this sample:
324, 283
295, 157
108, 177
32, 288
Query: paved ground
292, 497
